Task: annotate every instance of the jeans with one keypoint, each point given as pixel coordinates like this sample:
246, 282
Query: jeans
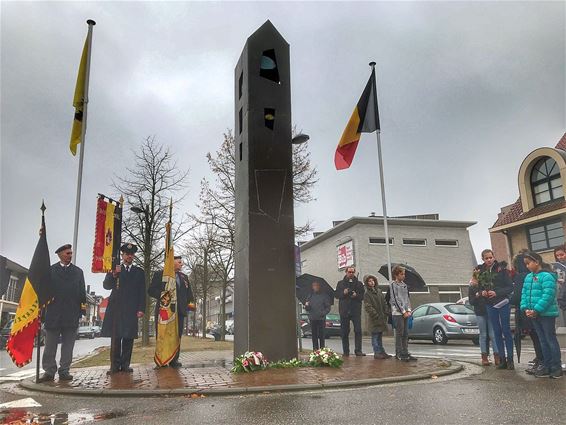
486, 331
68, 336
401, 336
345, 332
546, 332
317, 329
500, 320
377, 342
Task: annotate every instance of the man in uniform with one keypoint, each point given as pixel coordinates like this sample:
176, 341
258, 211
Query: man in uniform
62, 315
125, 306
184, 298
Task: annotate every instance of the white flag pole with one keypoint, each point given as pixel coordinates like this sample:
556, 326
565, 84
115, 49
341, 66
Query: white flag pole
381, 179
91, 24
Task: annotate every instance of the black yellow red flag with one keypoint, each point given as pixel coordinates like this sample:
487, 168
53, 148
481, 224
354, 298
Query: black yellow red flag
107, 235
364, 119
36, 294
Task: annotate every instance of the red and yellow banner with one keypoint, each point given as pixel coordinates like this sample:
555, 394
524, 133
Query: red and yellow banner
36, 294
107, 235
168, 341
364, 119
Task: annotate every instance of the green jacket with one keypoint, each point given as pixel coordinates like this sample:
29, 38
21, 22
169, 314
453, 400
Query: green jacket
377, 309
539, 294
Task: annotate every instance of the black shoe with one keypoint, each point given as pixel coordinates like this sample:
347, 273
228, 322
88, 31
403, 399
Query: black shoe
65, 377
127, 369
404, 359
359, 354
45, 378
112, 371
556, 374
175, 365
510, 365
502, 365
346, 354
542, 373
412, 358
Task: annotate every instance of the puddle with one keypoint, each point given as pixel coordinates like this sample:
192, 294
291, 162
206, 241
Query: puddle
23, 417
227, 364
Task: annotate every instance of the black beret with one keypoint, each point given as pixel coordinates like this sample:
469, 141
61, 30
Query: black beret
129, 248
178, 257
63, 248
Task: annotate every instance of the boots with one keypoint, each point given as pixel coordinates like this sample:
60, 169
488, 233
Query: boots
485, 359
496, 359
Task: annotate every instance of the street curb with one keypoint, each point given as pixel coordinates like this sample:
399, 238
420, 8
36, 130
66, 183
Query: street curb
30, 385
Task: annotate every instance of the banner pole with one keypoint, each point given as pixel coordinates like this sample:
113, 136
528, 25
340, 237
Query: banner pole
381, 178
90, 23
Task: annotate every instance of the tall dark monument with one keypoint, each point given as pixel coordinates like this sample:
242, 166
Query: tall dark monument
265, 314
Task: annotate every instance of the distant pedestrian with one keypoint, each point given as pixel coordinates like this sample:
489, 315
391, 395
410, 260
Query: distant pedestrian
538, 301
62, 315
318, 306
522, 322
401, 312
125, 306
350, 293
560, 269
378, 312
496, 287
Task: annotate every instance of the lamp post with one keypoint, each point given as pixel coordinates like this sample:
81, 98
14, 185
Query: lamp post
146, 268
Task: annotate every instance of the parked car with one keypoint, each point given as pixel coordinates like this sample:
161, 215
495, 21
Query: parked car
441, 322
466, 301
332, 327
85, 332
5, 334
97, 330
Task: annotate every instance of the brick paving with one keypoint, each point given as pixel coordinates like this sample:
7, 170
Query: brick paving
205, 371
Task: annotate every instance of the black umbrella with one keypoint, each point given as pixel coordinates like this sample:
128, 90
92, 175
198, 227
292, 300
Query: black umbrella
303, 287
412, 278
518, 334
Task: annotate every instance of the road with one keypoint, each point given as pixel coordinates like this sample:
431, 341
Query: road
9, 370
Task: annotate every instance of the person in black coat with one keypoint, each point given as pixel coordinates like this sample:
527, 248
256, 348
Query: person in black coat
125, 306
62, 315
350, 293
184, 298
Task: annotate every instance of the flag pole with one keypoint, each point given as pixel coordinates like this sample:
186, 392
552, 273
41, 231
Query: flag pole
91, 24
38, 336
381, 178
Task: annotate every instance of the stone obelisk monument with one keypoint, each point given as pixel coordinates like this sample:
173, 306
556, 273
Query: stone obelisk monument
264, 304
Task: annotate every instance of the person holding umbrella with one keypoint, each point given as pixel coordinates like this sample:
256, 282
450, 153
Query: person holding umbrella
538, 301
318, 306
350, 293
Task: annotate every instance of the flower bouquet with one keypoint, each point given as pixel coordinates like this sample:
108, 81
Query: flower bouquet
325, 357
250, 361
485, 279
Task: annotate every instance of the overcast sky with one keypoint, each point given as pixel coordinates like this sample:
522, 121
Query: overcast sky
466, 90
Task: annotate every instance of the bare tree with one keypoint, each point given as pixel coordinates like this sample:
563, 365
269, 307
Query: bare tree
148, 188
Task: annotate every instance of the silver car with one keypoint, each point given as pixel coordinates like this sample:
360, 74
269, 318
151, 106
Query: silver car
441, 322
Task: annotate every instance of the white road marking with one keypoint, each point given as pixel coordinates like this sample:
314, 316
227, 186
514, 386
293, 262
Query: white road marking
24, 402
19, 376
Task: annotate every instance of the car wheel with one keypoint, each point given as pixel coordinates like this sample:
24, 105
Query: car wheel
438, 336
476, 341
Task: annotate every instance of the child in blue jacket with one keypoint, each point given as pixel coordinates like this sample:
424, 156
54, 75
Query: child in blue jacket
538, 301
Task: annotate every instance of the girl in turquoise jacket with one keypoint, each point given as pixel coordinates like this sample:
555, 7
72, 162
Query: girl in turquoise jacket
538, 301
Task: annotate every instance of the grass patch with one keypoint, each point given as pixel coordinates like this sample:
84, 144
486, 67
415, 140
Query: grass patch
144, 355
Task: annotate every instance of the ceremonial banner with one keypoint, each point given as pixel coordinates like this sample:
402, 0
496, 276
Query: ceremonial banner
36, 294
364, 119
107, 236
78, 99
168, 342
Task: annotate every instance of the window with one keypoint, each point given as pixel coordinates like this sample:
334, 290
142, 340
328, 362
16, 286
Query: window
546, 236
419, 312
240, 121
379, 241
433, 310
446, 242
11, 291
546, 182
414, 242
268, 66
240, 85
269, 117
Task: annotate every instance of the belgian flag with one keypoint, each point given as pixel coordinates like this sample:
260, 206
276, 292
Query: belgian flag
364, 119
36, 294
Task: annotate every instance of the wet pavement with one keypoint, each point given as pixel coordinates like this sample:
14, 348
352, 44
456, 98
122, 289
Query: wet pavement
210, 373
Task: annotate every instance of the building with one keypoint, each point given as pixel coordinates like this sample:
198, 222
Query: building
440, 250
536, 220
12, 279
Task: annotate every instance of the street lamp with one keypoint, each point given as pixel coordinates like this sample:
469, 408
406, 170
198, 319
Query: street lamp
300, 138
146, 268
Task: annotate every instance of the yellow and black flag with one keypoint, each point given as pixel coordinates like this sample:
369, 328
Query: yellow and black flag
364, 119
108, 235
36, 294
81, 93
